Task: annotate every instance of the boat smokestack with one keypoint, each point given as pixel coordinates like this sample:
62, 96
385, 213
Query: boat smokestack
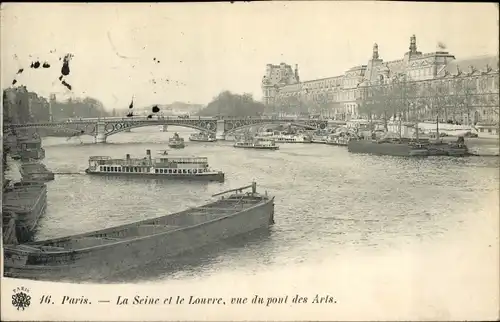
128, 156
254, 187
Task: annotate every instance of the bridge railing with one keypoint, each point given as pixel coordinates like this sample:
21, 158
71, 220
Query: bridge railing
173, 118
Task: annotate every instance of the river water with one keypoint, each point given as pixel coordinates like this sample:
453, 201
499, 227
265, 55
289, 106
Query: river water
340, 217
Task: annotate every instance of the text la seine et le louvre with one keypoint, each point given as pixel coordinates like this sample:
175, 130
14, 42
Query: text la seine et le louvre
178, 300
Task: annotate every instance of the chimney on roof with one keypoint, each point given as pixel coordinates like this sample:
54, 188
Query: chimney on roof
297, 72
375, 51
413, 44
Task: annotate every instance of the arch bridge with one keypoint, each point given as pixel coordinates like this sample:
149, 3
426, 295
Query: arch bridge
101, 128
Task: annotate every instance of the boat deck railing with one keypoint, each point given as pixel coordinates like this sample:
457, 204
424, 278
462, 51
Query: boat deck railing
99, 158
182, 160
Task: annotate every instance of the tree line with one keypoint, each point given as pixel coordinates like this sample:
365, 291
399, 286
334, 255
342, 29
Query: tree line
23, 106
233, 105
450, 99
446, 100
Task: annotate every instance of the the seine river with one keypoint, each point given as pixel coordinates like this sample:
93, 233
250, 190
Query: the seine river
340, 218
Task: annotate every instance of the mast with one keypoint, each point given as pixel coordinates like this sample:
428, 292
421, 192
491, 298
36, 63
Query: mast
416, 124
400, 125
437, 126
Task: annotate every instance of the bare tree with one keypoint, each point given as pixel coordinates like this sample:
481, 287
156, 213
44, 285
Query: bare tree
463, 90
488, 94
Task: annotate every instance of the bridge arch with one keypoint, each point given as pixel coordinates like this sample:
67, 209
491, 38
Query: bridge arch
276, 122
121, 127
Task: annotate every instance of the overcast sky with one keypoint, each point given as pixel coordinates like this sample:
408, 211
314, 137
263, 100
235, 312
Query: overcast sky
203, 49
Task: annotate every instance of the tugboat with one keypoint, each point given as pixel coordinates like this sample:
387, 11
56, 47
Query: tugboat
437, 147
440, 148
256, 143
319, 136
202, 137
342, 137
194, 168
176, 142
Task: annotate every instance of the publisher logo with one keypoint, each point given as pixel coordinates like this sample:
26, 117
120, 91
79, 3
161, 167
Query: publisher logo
21, 298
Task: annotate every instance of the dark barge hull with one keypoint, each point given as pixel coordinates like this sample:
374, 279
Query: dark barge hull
127, 253
391, 149
177, 146
219, 177
337, 143
202, 140
258, 147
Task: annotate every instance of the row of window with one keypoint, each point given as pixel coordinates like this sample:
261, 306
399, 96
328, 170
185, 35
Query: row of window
124, 169
146, 170
178, 171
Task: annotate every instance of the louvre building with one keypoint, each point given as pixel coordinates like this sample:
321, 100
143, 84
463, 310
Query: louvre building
428, 85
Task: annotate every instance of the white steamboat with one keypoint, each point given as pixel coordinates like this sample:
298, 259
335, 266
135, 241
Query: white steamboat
195, 168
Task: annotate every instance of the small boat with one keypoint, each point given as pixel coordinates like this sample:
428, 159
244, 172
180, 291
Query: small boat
320, 136
202, 137
162, 152
321, 139
176, 142
257, 143
342, 136
193, 168
107, 251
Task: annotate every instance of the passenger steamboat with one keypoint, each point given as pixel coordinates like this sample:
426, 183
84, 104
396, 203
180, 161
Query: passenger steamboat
283, 137
106, 252
202, 137
195, 168
257, 143
176, 142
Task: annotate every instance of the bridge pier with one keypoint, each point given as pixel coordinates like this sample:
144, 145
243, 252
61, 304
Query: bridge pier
164, 128
100, 136
220, 133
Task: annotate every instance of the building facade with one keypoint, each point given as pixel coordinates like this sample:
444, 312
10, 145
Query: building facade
341, 96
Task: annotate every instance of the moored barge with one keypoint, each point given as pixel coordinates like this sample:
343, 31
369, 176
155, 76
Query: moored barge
408, 147
107, 251
35, 171
25, 203
188, 168
391, 147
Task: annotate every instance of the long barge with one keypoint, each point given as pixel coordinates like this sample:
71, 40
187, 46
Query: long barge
187, 168
408, 147
107, 251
